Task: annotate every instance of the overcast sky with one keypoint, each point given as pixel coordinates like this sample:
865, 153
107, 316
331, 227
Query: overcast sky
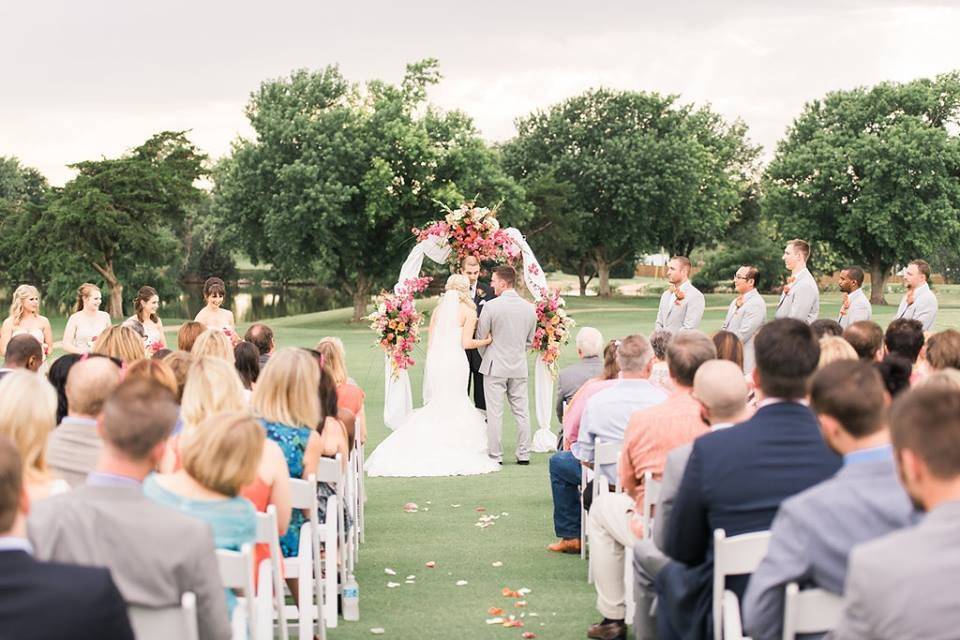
81, 80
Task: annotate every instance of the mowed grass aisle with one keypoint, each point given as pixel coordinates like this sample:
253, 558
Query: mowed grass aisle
434, 606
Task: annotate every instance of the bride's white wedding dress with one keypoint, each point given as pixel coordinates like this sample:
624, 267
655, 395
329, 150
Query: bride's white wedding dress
447, 436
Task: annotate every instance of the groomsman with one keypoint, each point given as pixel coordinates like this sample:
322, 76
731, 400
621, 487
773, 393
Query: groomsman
480, 292
681, 306
918, 303
801, 296
746, 313
855, 307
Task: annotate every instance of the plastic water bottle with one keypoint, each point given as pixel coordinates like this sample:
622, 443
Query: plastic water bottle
351, 599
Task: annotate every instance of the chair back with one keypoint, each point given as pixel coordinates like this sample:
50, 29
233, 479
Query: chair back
167, 622
733, 557
809, 611
268, 533
606, 453
236, 572
651, 493
732, 625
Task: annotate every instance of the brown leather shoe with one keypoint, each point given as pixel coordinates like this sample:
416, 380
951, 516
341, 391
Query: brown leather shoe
613, 630
565, 545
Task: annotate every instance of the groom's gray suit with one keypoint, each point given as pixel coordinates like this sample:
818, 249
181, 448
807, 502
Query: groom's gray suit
512, 322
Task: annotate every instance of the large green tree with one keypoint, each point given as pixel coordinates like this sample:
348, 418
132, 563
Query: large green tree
24, 195
873, 172
643, 172
338, 174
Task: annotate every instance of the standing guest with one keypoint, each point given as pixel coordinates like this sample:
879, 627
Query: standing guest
350, 396
825, 327
572, 377
247, 360
861, 502
25, 319
262, 336
28, 424
188, 334
121, 342
608, 377
682, 304
943, 350
729, 347
73, 447
855, 306
746, 313
87, 604
215, 343
800, 298
866, 338
604, 418
735, 479
87, 322
213, 316
145, 307
919, 302
152, 370
833, 349
480, 293
154, 553
615, 518
903, 585
22, 352
660, 372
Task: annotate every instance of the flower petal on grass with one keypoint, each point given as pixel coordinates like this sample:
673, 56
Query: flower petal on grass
378, 631
393, 585
528, 635
461, 583
495, 611
494, 621
389, 571
430, 565
480, 509
497, 564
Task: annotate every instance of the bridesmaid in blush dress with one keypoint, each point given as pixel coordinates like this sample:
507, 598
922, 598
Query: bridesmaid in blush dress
87, 322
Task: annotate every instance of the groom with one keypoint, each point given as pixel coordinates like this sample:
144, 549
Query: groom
481, 294
512, 322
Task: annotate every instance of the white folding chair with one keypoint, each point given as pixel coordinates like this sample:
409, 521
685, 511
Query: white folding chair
734, 556
361, 492
809, 611
167, 622
732, 626
330, 471
351, 495
605, 453
651, 493
236, 572
268, 533
585, 476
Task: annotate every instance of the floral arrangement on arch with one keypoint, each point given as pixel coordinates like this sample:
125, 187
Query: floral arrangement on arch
397, 323
471, 231
553, 328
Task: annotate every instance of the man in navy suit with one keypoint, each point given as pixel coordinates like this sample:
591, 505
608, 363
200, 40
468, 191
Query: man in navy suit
41, 600
736, 478
481, 292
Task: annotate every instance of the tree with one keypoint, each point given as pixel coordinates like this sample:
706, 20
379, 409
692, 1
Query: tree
874, 172
338, 175
24, 195
644, 172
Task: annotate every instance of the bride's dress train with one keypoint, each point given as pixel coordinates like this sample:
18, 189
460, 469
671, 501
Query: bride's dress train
447, 436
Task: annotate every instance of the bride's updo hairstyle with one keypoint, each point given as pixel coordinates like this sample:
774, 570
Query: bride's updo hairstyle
459, 283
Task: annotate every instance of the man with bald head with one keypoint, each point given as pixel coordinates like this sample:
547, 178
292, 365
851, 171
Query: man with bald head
73, 447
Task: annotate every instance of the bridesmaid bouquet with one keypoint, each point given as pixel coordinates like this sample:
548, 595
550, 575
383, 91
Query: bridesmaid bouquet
151, 346
397, 322
471, 231
553, 328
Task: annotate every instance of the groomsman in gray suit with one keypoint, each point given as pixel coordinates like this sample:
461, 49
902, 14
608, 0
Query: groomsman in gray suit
856, 307
801, 296
746, 313
918, 302
681, 305
512, 321
904, 585
815, 530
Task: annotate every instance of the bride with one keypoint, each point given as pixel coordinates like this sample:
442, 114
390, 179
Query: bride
447, 436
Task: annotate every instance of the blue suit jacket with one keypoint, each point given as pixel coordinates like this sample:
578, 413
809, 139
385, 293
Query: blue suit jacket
735, 480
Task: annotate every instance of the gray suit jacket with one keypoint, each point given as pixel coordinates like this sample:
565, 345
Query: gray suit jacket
924, 307
512, 321
813, 533
72, 451
745, 322
904, 585
674, 317
673, 469
803, 300
859, 309
571, 378
153, 552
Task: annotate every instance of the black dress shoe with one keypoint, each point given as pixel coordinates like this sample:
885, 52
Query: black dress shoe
609, 630
523, 462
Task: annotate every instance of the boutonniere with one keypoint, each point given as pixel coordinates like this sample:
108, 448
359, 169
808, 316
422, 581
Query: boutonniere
845, 307
679, 295
481, 293
786, 287
739, 301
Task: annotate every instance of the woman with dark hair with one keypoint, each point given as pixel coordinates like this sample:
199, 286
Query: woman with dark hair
895, 371
247, 360
145, 318
729, 347
213, 316
58, 378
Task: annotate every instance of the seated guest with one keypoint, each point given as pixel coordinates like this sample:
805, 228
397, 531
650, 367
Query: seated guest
154, 553
735, 479
608, 377
866, 338
615, 519
27, 425
943, 350
23, 352
814, 531
48, 599
57, 375
729, 347
188, 334
904, 338
350, 396
153, 370
262, 337
160, 354
949, 378
334, 438
604, 418
572, 377
213, 342
73, 447
179, 362
247, 360
825, 327
659, 341
834, 348
120, 342
896, 373
903, 585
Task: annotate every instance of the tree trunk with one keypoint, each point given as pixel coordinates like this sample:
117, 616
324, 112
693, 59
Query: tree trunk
585, 273
583, 284
603, 273
115, 306
878, 281
361, 296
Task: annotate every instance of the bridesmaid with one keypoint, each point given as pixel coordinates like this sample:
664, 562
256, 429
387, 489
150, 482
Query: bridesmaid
145, 307
25, 318
87, 321
213, 316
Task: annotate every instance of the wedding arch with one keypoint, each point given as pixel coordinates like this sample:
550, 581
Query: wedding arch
471, 230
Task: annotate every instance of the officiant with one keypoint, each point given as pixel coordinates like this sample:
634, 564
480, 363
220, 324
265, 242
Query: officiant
480, 292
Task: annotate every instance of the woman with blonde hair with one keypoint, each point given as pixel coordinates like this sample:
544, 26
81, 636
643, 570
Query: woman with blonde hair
25, 318
349, 395
27, 424
86, 322
214, 342
121, 342
153, 370
833, 348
